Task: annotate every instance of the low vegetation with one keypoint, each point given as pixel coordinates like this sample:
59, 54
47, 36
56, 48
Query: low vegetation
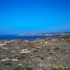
22, 68
19, 68
21, 56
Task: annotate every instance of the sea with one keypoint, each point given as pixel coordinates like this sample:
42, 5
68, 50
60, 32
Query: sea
10, 37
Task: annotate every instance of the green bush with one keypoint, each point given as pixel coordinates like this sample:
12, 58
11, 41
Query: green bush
19, 68
22, 68
8, 64
21, 56
28, 68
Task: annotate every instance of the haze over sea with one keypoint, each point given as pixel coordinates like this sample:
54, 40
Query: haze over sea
10, 37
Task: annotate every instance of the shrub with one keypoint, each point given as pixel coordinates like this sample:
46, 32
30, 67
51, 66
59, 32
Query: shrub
21, 56
19, 68
8, 64
22, 68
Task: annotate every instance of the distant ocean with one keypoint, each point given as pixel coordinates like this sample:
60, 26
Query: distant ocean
9, 37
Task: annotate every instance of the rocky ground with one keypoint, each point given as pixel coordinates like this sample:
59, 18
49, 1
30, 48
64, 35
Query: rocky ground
39, 54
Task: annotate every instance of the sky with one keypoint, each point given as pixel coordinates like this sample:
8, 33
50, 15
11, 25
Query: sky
34, 16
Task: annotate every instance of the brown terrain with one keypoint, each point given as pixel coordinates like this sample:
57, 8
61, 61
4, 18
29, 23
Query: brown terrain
38, 54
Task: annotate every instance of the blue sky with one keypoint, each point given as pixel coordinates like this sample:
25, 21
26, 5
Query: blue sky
34, 16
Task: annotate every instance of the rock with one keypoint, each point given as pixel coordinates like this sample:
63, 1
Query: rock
46, 42
2, 44
24, 51
49, 57
20, 64
13, 51
5, 60
14, 60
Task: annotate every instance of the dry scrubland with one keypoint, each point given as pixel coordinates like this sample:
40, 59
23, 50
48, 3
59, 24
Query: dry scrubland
39, 54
